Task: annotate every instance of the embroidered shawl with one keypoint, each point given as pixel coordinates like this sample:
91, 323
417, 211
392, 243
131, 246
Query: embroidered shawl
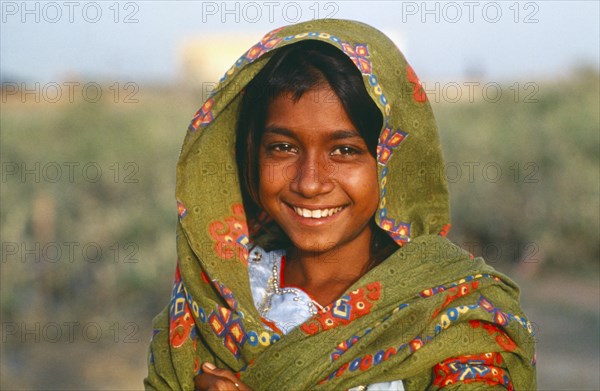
430, 315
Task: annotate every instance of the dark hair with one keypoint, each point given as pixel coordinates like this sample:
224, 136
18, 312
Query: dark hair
295, 69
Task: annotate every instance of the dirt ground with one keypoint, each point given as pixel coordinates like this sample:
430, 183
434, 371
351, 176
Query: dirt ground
566, 313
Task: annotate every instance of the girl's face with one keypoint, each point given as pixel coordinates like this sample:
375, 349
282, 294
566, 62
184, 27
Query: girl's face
318, 180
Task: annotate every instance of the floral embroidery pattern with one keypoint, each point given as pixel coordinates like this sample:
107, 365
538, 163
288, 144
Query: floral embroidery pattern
469, 368
483, 368
231, 235
346, 309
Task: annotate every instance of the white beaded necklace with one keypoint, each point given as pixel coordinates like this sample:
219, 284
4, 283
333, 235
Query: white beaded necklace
274, 288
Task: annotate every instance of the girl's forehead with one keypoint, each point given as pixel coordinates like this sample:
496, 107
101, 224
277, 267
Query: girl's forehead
317, 110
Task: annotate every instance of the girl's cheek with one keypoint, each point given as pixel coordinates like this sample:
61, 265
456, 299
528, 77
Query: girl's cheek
269, 172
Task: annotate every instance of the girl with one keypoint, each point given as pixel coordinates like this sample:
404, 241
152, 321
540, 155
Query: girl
311, 248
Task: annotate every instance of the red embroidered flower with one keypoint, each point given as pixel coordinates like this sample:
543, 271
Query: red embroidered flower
418, 92
231, 235
181, 327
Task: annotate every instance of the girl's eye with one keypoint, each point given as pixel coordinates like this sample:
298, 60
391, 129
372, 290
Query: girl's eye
283, 147
341, 151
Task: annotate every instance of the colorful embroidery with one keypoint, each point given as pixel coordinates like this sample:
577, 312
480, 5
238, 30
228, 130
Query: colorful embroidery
457, 292
227, 294
229, 328
343, 346
231, 235
203, 116
388, 141
379, 92
463, 368
442, 288
399, 231
346, 309
502, 318
267, 43
359, 55
264, 338
181, 325
452, 315
417, 344
363, 363
483, 368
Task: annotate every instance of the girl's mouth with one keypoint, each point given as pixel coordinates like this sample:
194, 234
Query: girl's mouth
316, 213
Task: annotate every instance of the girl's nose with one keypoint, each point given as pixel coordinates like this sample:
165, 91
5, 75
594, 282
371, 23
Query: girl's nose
312, 177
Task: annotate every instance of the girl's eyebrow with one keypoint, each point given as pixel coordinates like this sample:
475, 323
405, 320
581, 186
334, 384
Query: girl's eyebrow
344, 134
278, 131
335, 135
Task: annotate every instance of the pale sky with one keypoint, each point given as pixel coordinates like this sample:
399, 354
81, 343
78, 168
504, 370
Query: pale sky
443, 40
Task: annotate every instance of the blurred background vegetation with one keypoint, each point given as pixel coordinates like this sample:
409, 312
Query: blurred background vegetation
524, 181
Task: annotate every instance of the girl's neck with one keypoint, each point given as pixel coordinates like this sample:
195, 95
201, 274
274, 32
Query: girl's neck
325, 276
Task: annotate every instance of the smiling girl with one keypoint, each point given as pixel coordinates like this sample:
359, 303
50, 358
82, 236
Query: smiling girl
323, 264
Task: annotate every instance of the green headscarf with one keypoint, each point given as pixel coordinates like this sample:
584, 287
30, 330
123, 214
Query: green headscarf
429, 315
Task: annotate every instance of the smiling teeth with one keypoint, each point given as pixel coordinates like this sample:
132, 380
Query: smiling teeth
317, 213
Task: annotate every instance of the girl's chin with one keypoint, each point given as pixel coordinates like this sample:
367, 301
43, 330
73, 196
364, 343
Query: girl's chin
316, 246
